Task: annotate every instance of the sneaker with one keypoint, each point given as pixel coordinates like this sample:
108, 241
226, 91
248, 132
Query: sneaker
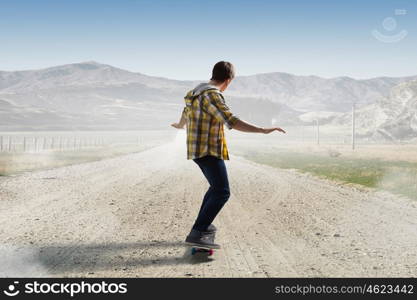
211, 232
203, 239
211, 228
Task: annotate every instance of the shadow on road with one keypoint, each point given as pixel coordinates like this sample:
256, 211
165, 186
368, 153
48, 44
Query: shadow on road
116, 256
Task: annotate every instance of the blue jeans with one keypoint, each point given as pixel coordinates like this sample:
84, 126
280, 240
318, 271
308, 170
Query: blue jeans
214, 169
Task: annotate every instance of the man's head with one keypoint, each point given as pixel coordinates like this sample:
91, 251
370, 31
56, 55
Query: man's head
223, 74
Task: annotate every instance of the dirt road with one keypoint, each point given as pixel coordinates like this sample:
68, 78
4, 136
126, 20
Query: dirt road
128, 216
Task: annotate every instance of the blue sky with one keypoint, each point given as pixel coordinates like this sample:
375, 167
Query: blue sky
183, 39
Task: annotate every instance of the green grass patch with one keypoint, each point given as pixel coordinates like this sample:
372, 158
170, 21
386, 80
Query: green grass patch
396, 176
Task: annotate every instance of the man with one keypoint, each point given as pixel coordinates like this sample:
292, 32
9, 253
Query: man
204, 114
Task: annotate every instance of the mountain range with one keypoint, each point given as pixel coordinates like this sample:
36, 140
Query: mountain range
94, 96
392, 118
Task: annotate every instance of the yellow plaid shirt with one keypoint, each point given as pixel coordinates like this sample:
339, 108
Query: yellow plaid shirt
205, 112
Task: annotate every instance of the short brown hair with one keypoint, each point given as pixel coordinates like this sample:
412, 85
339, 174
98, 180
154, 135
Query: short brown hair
222, 71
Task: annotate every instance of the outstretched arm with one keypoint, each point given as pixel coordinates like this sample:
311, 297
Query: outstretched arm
181, 123
247, 127
216, 105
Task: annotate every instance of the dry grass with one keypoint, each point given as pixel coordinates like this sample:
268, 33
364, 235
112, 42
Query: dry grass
13, 163
388, 167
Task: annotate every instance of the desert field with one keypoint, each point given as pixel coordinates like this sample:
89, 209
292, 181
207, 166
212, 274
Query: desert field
128, 215
28, 151
383, 166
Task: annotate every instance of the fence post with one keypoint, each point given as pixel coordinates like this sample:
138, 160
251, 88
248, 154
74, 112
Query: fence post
353, 126
1, 143
24, 144
302, 134
10, 143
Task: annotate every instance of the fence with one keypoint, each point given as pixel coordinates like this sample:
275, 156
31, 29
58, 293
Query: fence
37, 142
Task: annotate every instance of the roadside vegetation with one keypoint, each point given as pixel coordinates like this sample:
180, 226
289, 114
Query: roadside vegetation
395, 176
14, 163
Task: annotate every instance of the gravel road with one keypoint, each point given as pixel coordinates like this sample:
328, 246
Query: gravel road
128, 216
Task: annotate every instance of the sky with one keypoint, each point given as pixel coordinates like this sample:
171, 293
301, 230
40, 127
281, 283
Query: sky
184, 39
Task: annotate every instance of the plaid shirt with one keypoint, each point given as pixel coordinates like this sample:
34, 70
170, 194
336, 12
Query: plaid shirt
205, 112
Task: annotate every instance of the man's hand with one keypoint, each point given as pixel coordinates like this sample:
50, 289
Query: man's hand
177, 125
269, 130
247, 127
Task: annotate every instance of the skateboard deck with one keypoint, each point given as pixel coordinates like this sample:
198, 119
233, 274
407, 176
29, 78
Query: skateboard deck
198, 249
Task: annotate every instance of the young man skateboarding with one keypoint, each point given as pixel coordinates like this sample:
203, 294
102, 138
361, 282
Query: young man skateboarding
204, 113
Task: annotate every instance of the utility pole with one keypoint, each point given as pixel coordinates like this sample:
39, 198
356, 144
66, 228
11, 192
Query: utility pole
302, 134
353, 126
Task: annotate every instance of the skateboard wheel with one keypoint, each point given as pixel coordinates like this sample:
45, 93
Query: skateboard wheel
202, 250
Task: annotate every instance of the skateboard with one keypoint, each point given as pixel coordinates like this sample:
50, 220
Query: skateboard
196, 248
199, 249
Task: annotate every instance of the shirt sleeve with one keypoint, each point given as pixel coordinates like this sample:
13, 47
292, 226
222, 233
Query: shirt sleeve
184, 112
215, 105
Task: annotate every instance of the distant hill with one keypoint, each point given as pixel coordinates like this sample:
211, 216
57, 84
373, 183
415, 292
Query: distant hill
90, 95
391, 118
312, 93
